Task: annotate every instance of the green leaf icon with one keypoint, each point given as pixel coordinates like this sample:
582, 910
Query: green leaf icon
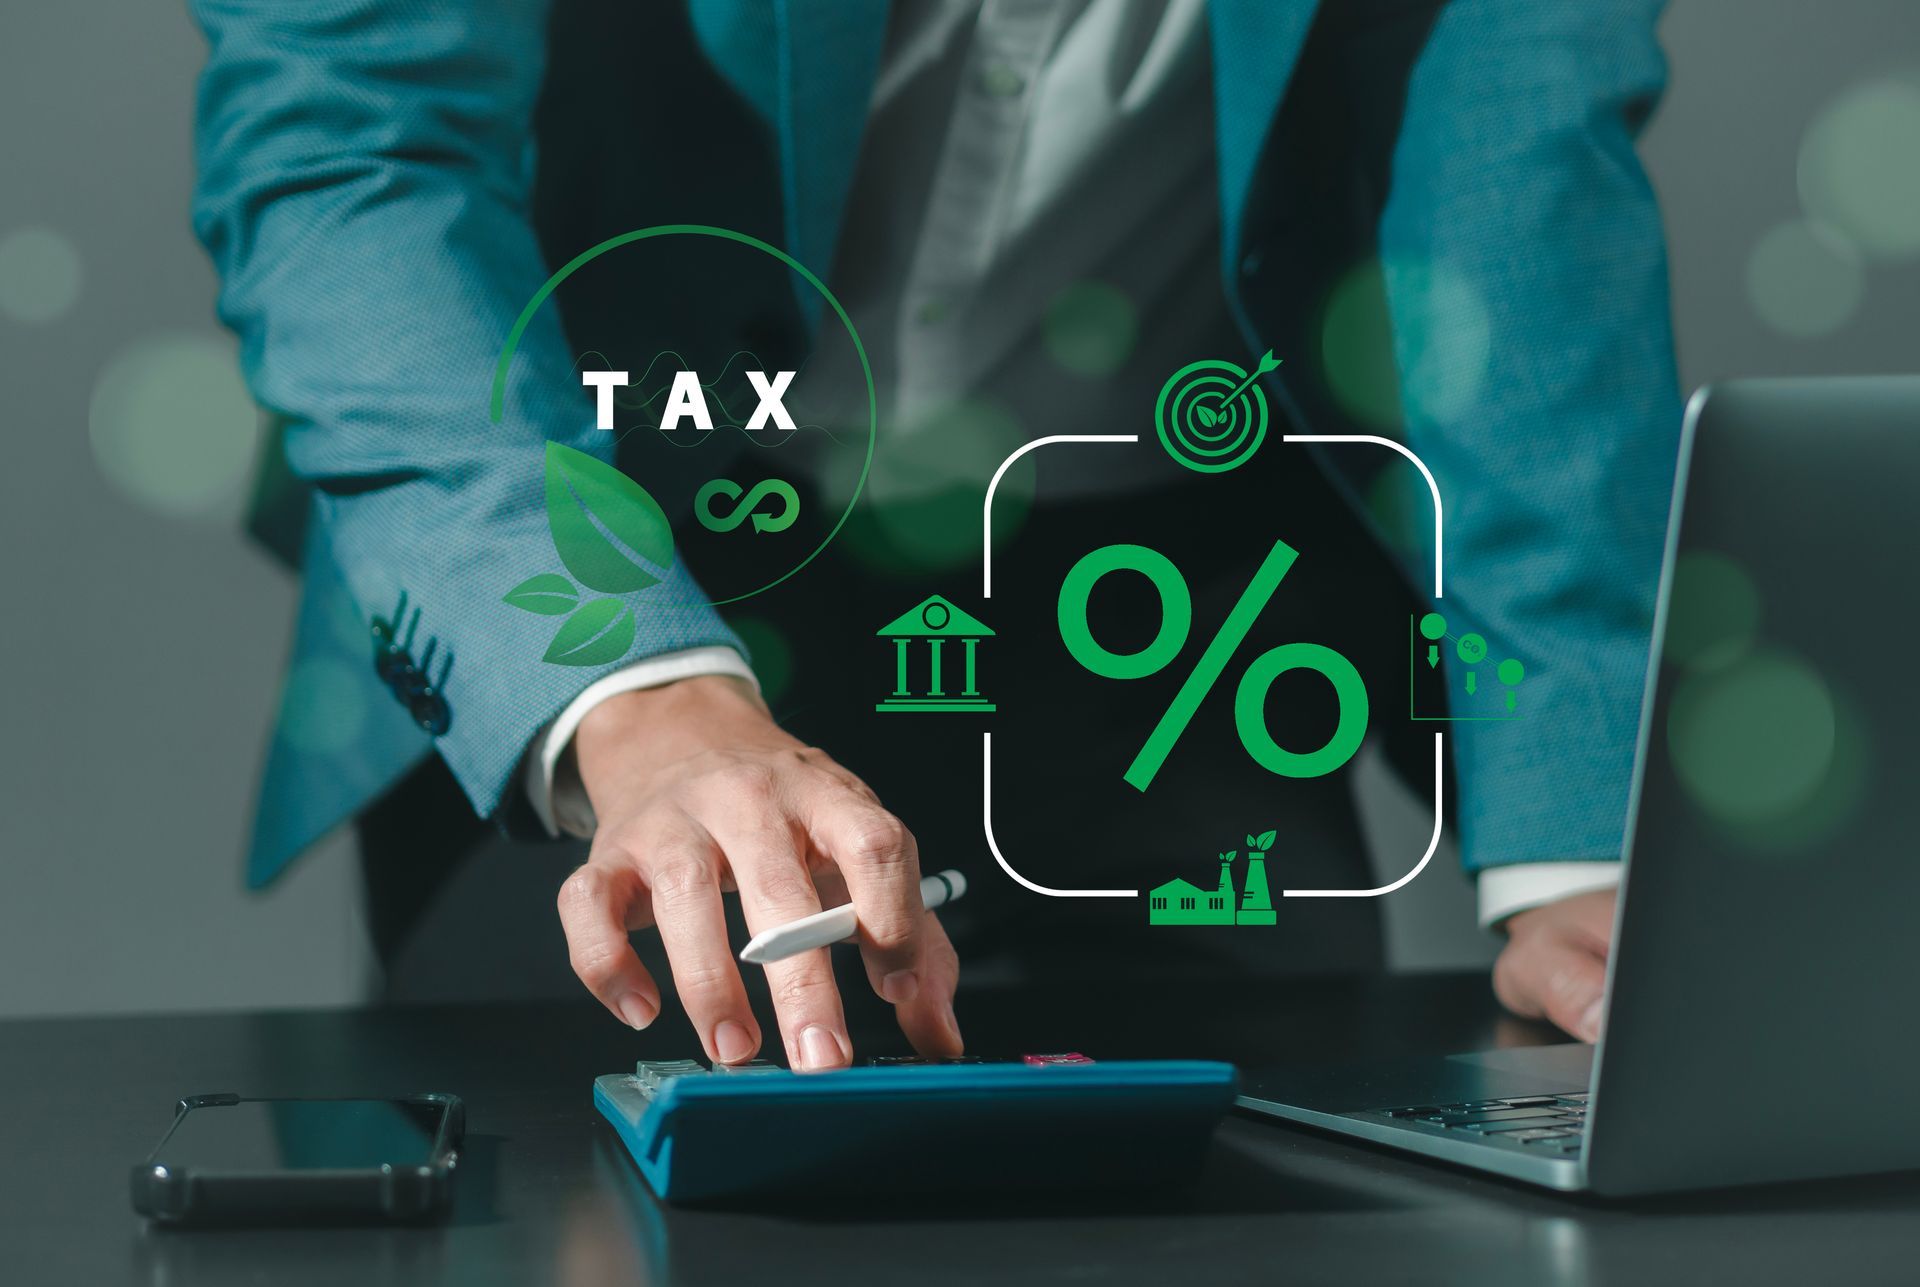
581, 490
1266, 841
549, 594
598, 633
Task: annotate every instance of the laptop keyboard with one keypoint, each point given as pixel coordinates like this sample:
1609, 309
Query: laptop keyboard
1551, 1124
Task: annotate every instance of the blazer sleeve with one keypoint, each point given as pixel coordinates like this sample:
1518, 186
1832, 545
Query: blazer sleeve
364, 182
1527, 286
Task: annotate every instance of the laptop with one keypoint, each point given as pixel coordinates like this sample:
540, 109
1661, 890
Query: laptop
1762, 989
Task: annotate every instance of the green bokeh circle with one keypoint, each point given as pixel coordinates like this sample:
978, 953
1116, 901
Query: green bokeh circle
566, 270
1090, 328
1713, 611
1753, 743
772, 654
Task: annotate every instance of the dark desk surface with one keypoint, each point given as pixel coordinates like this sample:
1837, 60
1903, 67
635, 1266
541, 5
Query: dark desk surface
546, 1196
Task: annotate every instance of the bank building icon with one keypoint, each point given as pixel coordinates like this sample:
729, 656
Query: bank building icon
936, 659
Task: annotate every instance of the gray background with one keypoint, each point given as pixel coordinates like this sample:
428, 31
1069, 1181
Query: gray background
141, 652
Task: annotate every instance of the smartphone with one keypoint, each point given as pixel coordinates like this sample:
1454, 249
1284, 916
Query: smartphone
230, 1160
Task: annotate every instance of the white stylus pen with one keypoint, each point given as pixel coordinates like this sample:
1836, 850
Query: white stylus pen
838, 923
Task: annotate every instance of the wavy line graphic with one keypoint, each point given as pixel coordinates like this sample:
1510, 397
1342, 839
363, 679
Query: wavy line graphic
758, 437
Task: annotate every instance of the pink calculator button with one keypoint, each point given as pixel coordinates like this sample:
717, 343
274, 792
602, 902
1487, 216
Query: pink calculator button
1047, 1061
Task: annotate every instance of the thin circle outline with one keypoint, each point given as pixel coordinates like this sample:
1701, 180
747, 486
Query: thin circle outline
497, 403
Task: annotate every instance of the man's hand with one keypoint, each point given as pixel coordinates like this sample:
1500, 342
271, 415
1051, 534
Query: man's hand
1554, 965
698, 792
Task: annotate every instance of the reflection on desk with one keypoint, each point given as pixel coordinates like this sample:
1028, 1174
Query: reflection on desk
546, 1194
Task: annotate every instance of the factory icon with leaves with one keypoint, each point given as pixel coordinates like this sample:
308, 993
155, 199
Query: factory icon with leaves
1179, 903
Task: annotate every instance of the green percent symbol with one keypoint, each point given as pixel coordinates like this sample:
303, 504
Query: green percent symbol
1249, 701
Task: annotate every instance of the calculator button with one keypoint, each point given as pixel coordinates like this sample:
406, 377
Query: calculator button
1055, 1061
963, 1059
652, 1072
897, 1061
751, 1066
669, 1067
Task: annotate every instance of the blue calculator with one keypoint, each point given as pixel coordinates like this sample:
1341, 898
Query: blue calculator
1057, 1121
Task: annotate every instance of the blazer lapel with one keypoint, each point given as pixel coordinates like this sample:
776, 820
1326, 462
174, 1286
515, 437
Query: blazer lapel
1255, 46
832, 55
809, 68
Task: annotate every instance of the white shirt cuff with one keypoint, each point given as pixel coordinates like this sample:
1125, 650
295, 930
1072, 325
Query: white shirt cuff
1520, 885
562, 806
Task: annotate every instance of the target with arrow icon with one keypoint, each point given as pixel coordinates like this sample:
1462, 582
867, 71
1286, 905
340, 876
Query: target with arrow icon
1212, 414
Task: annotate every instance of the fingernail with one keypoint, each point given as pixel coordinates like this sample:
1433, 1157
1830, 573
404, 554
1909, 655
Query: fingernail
900, 987
953, 1026
820, 1049
733, 1041
637, 1010
1590, 1021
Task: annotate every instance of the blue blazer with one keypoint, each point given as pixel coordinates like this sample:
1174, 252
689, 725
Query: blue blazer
365, 177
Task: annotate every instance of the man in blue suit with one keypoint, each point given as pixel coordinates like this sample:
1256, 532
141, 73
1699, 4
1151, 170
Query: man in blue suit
384, 185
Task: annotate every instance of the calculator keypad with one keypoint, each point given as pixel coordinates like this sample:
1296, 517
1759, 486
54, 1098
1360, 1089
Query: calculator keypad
649, 1075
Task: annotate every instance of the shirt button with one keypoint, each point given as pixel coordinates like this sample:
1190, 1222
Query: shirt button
1001, 80
1250, 264
931, 311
